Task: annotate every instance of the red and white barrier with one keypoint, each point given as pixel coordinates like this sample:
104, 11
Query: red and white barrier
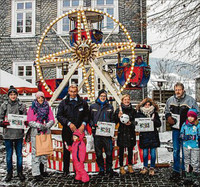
55, 161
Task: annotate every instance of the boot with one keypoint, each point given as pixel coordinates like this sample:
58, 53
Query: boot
38, 178
8, 177
188, 179
122, 171
21, 176
42, 172
151, 172
196, 182
175, 176
144, 171
130, 169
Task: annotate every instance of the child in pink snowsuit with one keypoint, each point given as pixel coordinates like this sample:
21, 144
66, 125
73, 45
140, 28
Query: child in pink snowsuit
78, 149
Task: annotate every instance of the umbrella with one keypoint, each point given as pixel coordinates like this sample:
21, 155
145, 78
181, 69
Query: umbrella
22, 86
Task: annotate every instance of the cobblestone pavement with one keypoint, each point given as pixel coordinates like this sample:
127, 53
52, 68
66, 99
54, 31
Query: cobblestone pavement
160, 179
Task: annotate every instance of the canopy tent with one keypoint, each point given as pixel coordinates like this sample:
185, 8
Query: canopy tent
22, 86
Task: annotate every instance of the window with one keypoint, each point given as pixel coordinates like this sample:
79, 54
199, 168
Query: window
111, 7
63, 7
75, 78
24, 70
23, 18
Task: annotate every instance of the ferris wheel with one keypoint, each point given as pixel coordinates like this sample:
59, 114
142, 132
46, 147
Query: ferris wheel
86, 48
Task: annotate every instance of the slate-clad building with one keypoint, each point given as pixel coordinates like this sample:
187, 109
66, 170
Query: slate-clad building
22, 23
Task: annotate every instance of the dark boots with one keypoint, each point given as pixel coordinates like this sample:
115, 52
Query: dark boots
175, 176
8, 177
43, 173
192, 179
21, 176
38, 178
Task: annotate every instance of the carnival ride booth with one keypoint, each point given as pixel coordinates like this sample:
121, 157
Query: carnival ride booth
141, 72
22, 86
87, 49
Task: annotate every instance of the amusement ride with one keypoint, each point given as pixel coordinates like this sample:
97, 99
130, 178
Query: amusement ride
89, 48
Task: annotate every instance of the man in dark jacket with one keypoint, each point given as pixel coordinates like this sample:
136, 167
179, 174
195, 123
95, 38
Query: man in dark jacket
72, 114
178, 104
102, 111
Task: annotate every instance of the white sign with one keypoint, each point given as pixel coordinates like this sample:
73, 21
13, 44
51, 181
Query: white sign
16, 121
144, 124
177, 120
105, 129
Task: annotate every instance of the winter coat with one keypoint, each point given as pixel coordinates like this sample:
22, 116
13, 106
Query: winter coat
126, 133
149, 139
189, 134
36, 125
75, 113
98, 113
180, 106
12, 107
78, 149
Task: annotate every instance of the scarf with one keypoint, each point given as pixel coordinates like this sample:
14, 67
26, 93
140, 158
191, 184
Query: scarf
102, 103
126, 106
147, 111
42, 111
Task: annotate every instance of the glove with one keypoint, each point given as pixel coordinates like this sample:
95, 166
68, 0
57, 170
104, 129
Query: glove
171, 120
199, 141
43, 127
189, 137
69, 148
89, 129
4, 124
26, 123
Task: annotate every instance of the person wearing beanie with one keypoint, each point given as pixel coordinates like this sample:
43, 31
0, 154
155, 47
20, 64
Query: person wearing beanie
12, 89
190, 132
12, 137
41, 119
72, 114
78, 149
178, 104
102, 111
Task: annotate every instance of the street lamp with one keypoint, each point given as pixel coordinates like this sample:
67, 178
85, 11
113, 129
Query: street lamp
160, 83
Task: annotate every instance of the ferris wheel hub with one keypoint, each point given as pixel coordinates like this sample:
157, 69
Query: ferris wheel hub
84, 51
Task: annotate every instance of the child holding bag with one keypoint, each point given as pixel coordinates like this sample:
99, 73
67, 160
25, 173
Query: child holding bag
78, 149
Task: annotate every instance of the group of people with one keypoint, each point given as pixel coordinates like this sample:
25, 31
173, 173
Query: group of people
74, 114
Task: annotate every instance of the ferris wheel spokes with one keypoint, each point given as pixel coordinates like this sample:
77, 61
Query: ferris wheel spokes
104, 41
105, 81
63, 83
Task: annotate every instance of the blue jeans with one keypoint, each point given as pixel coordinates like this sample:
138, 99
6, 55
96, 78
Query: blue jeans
9, 152
153, 157
177, 144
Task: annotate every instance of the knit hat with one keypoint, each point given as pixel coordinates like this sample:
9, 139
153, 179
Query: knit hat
39, 94
139, 58
192, 113
102, 91
12, 89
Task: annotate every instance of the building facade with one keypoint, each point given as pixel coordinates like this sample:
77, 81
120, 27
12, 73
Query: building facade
22, 22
